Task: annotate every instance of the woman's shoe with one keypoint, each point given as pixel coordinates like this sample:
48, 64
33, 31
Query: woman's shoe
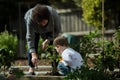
31, 73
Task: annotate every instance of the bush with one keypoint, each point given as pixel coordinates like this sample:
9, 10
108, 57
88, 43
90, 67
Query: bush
88, 74
106, 58
8, 41
8, 47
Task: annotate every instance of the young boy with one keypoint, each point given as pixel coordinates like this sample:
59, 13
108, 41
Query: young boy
71, 59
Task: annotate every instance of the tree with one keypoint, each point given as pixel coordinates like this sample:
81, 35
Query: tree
92, 12
65, 4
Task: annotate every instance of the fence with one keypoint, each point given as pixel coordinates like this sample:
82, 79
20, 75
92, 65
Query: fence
72, 23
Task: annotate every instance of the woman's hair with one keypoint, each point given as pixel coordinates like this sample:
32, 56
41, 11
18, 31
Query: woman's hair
60, 40
39, 13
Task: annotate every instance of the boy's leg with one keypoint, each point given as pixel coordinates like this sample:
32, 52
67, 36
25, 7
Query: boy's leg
62, 69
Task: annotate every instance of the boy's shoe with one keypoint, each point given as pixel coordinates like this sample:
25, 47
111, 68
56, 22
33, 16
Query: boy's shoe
55, 74
31, 73
58, 74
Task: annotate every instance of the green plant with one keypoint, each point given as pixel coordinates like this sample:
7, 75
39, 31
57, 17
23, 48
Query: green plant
88, 44
49, 53
53, 57
6, 58
88, 74
9, 41
14, 74
92, 12
8, 47
105, 62
109, 59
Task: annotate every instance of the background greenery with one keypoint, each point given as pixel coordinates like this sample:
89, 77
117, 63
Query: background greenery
8, 50
105, 58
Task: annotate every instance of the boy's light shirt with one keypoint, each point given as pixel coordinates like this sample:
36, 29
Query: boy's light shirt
72, 58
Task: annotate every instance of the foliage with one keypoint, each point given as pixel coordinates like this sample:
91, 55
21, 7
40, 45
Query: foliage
49, 53
8, 41
88, 74
6, 57
108, 57
53, 57
116, 42
116, 38
88, 44
92, 13
40, 51
8, 47
105, 62
78, 2
17, 72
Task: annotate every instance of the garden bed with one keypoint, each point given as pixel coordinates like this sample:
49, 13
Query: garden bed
41, 78
24, 62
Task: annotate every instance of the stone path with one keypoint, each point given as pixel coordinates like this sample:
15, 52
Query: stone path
39, 71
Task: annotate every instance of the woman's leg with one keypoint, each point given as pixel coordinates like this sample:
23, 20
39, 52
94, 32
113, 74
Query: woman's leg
36, 41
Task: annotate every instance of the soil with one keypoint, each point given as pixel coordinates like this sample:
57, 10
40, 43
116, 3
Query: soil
41, 62
24, 62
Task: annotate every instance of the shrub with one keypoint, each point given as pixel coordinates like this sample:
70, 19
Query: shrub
105, 62
8, 47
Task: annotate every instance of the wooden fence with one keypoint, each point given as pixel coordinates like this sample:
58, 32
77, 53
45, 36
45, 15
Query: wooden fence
72, 23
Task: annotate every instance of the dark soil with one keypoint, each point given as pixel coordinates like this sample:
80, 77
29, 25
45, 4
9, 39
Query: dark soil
41, 62
24, 62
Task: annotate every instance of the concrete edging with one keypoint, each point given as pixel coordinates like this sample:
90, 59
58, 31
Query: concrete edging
41, 78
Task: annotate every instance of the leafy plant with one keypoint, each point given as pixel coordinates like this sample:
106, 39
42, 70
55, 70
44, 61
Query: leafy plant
8, 41
16, 71
49, 53
105, 62
88, 74
6, 58
108, 57
8, 47
53, 57
92, 12
88, 44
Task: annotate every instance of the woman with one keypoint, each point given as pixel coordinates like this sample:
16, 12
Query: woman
44, 21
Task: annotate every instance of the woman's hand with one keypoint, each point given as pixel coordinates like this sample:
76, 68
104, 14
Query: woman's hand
34, 58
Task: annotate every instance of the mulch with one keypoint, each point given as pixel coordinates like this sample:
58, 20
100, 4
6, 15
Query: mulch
24, 62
